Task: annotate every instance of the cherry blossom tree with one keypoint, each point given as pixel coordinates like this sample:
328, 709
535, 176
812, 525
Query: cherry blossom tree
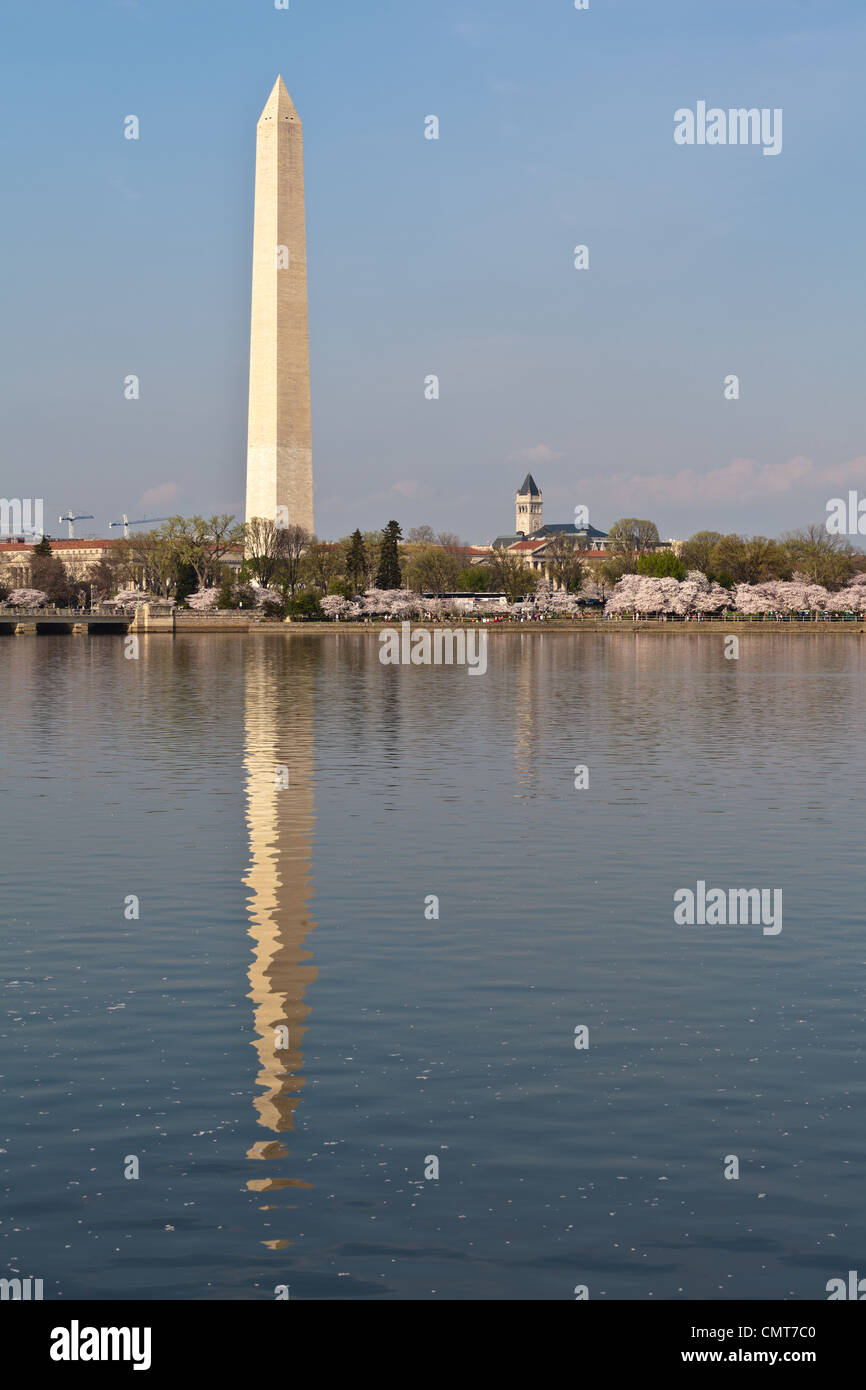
752, 599
398, 604
132, 598
205, 601
335, 607
624, 599
849, 600
641, 595
264, 595
26, 598
714, 599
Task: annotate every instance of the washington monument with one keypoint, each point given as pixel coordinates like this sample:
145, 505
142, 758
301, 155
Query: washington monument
279, 439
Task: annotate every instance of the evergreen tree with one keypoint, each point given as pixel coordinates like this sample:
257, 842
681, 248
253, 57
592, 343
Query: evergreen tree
226, 592
388, 575
43, 548
356, 563
186, 582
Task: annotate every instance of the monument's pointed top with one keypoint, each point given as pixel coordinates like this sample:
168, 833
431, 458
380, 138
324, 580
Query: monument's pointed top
279, 105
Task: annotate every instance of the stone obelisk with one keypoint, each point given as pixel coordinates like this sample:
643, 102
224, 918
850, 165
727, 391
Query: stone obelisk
279, 439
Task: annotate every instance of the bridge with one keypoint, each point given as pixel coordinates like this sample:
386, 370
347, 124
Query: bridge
44, 620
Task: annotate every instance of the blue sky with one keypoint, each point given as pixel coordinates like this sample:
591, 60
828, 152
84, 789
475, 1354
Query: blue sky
452, 257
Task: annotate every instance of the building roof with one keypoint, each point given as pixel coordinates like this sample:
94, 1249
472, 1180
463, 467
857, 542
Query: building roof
468, 552
568, 528
530, 486
56, 544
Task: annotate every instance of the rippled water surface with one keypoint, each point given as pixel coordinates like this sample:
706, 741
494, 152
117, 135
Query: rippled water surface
272, 914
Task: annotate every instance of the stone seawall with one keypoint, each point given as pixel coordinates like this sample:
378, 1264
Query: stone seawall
151, 618
588, 627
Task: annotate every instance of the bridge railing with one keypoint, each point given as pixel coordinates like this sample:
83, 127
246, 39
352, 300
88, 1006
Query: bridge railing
79, 614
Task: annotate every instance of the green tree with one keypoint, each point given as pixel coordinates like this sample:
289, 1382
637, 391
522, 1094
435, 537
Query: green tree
186, 581
43, 548
275, 607
323, 561
474, 580
697, 552
820, 557
612, 569
750, 560
510, 575
432, 569
306, 606
357, 564
663, 564
630, 537
223, 534
388, 575
226, 597
201, 542
342, 588
151, 560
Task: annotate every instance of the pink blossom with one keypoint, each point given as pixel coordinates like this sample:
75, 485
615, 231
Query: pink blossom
26, 598
203, 601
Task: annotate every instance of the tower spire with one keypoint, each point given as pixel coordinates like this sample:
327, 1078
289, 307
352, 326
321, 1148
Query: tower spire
279, 438
279, 105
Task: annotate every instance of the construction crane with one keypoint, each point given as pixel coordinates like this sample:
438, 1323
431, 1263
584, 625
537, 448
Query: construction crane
70, 519
142, 521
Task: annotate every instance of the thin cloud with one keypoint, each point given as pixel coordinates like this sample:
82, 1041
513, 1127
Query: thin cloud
742, 479
156, 496
414, 491
537, 453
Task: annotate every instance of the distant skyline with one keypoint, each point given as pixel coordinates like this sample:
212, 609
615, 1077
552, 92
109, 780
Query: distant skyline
451, 257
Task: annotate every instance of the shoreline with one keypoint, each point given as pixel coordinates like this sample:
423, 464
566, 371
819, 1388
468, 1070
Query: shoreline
184, 623
200, 624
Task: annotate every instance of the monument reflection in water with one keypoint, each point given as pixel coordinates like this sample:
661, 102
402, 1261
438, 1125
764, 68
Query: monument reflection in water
280, 818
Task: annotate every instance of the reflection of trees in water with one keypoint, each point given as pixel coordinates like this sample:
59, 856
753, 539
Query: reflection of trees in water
278, 714
528, 653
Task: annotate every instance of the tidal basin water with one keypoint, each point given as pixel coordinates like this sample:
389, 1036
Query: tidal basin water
271, 913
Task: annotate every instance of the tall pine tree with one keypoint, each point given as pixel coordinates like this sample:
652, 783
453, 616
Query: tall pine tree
356, 563
388, 575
